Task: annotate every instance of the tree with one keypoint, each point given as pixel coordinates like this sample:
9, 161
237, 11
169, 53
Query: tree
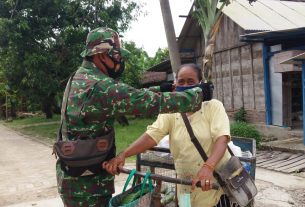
3, 95
40, 40
209, 18
138, 61
7, 98
160, 56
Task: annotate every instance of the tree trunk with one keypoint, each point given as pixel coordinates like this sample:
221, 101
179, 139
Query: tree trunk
23, 107
47, 103
2, 109
6, 106
13, 108
170, 36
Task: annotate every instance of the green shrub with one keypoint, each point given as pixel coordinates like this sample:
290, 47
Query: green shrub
243, 129
240, 115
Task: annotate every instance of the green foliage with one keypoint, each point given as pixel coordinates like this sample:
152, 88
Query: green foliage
160, 56
139, 61
207, 14
242, 129
2, 83
40, 41
136, 64
133, 196
240, 115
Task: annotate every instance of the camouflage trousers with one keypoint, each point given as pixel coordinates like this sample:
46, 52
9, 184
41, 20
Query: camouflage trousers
84, 191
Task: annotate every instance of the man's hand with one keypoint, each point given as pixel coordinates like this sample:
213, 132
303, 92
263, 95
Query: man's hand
166, 87
112, 165
207, 90
205, 176
117, 41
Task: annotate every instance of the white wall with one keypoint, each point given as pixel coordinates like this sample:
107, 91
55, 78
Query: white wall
276, 94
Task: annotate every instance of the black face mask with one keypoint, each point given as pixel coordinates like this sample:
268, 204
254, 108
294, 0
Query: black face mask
112, 72
115, 74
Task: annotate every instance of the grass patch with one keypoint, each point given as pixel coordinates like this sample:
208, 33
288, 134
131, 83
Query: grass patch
125, 135
17, 123
46, 133
243, 129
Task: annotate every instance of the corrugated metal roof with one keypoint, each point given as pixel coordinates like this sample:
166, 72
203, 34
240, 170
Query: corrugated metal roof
297, 34
267, 15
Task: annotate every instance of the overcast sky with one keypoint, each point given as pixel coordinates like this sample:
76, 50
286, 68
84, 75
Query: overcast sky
148, 31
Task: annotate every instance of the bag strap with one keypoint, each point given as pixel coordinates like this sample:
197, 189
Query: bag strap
195, 140
131, 175
193, 137
146, 178
199, 147
64, 107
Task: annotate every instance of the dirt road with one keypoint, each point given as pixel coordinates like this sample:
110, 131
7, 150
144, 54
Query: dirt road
27, 177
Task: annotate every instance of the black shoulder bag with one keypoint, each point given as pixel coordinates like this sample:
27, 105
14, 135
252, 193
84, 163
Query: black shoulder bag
235, 181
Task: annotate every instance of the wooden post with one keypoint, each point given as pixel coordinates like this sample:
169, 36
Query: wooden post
303, 92
221, 75
252, 76
170, 36
267, 86
241, 77
231, 81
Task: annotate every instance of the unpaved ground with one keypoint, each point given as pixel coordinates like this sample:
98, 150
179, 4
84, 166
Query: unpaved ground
27, 177
279, 189
274, 196
27, 169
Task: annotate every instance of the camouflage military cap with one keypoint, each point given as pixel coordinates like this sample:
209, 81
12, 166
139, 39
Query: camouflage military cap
101, 40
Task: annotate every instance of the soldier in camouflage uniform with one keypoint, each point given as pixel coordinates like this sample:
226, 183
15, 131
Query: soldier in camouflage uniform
93, 101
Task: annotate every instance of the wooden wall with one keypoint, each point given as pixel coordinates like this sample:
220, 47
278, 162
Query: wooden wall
228, 34
238, 72
239, 82
237, 69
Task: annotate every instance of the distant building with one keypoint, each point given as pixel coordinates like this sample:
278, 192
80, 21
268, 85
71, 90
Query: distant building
252, 41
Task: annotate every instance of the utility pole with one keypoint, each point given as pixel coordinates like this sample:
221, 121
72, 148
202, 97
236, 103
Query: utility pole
170, 36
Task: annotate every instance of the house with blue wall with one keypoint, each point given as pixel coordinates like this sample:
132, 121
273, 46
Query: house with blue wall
252, 42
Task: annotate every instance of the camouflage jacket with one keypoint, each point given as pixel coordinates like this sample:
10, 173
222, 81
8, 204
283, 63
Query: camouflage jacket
95, 99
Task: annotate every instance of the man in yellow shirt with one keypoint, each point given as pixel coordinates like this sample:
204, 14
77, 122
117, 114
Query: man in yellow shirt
211, 127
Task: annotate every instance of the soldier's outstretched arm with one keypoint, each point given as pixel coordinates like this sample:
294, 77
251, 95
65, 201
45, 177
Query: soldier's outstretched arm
128, 100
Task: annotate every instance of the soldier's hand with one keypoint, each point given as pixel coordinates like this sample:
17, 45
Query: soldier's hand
207, 90
166, 87
112, 165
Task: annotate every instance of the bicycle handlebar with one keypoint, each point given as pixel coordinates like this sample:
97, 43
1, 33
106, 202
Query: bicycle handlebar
168, 179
